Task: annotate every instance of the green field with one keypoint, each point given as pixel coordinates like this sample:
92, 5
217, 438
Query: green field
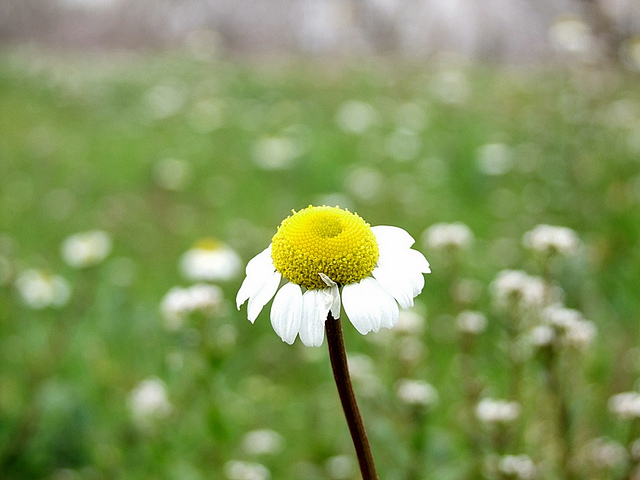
163, 150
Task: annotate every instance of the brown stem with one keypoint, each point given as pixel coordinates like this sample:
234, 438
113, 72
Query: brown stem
345, 390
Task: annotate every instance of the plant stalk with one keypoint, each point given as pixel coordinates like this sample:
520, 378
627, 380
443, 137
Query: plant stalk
338, 357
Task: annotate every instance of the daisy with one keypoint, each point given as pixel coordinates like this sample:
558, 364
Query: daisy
86, 249
210, 260
330, 256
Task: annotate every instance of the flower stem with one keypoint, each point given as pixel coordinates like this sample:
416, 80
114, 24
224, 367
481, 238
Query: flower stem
345, 390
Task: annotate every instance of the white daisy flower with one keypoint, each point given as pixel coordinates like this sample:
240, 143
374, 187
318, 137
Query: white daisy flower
210, 260
41, 289
86, 248
549, 240
320, 251
149, 401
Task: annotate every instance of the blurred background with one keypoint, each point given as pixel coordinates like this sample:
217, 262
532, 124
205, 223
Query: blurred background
495, 30
149, 149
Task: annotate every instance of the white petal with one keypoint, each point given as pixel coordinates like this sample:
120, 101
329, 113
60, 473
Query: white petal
418, 261
397, 283
286, 312
400, 273
262, 296
259, 271
392, 237
260, 261
405, 258
369, 306
315, 309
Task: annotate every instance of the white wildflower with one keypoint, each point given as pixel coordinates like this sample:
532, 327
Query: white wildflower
179, 302
516, 288
210, 260
442, 236
262, 442
519, 467
40, 289
416, 392
490, 410
148, 402
86, 249
606, 453
542, 335
238, 470
547, 239
471, 322
625, 405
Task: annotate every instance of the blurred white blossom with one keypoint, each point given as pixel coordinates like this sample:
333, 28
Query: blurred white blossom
239, 470
149, 402
625, 405
210, 260
518, 467
569, 325
86, 248
542, 336
547, 239
494, 159
41, 289
416, 392
262, 442
365, 183
490, 410
340, 467
410, 322
472, 322
606, 453
440, 236
275, 152
355, 116
172, 173
516, 288
179, 302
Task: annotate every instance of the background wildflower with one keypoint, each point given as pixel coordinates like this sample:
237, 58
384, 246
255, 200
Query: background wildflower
40, 289
210, 261
86, 249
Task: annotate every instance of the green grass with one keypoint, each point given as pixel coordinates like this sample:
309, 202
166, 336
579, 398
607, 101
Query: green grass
78, 145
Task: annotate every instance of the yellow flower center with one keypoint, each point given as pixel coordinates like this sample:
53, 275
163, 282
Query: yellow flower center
326, 240
208, 244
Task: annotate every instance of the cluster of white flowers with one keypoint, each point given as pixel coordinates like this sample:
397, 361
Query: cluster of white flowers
40, 289
180, 302
471, 322
262, 442
416, 392
625, 405
149, 402
442, 236
518, 467
86, 249
239, 470
209, 261
569, 326
548, 239
490, 410
517, 288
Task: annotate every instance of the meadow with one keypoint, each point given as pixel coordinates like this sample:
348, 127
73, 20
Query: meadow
103, 375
